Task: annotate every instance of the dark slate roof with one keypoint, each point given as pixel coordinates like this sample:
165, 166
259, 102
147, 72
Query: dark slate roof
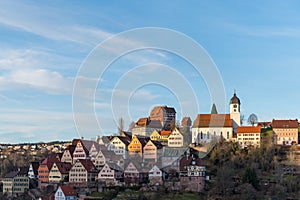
187, 161
174, 152
23, 171
11, 174
114, 166
235, 99
125, 140
35, 167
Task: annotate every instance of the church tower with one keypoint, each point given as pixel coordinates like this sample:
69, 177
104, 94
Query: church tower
235, 113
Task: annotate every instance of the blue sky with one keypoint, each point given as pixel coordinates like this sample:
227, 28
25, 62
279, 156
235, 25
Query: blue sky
254, 44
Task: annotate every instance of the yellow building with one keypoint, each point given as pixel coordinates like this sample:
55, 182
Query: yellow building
286, 131
135, 146
59, 172
155, 135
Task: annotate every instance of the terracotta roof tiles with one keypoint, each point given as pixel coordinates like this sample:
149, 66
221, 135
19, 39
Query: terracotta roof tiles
285, 123
212, 120
68, 191
248, 129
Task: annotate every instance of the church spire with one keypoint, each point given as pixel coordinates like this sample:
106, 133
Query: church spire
214, 109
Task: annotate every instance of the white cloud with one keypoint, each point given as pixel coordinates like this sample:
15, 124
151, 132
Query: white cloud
40, 79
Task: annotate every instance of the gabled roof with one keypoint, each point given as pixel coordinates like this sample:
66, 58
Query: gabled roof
49, 161
35, 167
89, 143
285, 123
248, 129
11, 174
21, 171
146, 122
71, 149
114, 166
64, 168
88, 165
68, 191
126, 134
187, 161
143, 140
186, 121
125, 140
111, 155
212, 120
104, 139
156, 143
165, 108
264, 124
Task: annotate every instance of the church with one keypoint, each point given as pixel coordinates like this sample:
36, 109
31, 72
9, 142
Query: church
208, 127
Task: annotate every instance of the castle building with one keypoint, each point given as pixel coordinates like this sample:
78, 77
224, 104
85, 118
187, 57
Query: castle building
166, 115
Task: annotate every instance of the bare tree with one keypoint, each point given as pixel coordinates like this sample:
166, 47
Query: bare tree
121, 125
242, 119
131, 126
252, 119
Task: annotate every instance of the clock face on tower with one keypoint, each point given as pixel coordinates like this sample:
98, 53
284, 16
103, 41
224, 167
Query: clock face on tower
235, 106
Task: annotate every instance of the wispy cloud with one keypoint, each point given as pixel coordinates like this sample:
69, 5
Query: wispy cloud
39, 79
37, 125
265, 31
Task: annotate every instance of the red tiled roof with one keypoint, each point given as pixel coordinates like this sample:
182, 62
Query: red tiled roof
212, 120
49, 161
248, 129
71, 149
165, 132
68, 191
285, 123
64, 168
88, 165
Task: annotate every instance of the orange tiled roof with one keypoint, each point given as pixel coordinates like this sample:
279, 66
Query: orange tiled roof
165, 132
248, 129
142, 122
212, 120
